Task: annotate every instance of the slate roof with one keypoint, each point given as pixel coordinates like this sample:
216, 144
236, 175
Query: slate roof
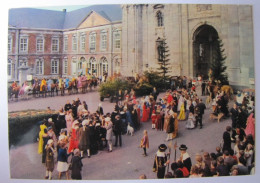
49, 19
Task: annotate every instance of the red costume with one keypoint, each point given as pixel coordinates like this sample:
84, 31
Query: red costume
159, 122
154, 117
74, 139
250, 127
169, 99
145, 114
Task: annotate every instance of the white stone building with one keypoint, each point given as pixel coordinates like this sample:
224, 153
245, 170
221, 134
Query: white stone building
190, 31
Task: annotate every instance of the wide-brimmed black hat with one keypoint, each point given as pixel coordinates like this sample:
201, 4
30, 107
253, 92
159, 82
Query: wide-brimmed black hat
183, 147
162, 147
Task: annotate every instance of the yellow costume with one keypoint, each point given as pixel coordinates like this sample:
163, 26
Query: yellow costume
40, 147
175, 133
43, 83
182, 113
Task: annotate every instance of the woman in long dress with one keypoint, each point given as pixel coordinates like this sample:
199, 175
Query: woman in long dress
166, 120
74, 139
69, 120
250, 127
175, 133
190, 121
182, 113
145, 115
41, 134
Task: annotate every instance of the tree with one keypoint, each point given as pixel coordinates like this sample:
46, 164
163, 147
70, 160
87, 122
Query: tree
163, 60
218, 67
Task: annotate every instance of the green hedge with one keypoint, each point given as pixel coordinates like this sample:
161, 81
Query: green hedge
110, 87
24, 125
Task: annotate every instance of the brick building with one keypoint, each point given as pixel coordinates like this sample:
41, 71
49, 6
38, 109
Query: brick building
60, 43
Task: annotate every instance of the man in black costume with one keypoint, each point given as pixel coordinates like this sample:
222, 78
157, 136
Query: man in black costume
160, 161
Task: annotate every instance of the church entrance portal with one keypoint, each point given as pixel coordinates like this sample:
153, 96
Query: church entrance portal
204, 39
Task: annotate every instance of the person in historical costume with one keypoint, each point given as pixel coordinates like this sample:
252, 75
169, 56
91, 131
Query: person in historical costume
74, 138
160, 161
67, 80
170, 127
76, 165
43, 84
22, 90
45, 138
63, 161
69, 121
84, 138
169, 98
190, 121
180, 102
14, 85
175, 103
159, 125
166, 119
79, 81
145, 114
49, 159
41, 134
109, 134
185, 157
49, 83
154, 119
145, 142
176, 126
250, 128
182, 113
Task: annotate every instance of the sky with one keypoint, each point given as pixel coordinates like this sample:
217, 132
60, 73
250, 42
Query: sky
60, 8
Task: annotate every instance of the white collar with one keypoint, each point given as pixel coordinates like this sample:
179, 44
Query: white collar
185, 156
160, 154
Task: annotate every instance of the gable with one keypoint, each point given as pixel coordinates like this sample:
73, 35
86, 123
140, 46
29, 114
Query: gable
92, 20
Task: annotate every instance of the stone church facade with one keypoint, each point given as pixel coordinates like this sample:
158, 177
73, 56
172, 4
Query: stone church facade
189, 31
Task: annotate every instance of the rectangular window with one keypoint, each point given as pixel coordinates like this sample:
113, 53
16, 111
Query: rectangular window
39, 67
39, 44
83, 43
55, 45
9, 43
74, 43
9, 68
65, 66
23, 44
103, 41
117, 40
55, 66
92, 46
65, 43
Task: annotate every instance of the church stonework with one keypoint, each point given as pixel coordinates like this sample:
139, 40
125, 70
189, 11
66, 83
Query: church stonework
190, 31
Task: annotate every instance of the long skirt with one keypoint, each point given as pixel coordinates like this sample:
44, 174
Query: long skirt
175, 133
62, 166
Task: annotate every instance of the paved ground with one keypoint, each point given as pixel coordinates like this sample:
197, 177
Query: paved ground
126, 162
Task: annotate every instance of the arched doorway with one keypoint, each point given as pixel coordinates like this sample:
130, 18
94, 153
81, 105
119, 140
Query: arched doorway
204, 39
93, 66
82, 66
